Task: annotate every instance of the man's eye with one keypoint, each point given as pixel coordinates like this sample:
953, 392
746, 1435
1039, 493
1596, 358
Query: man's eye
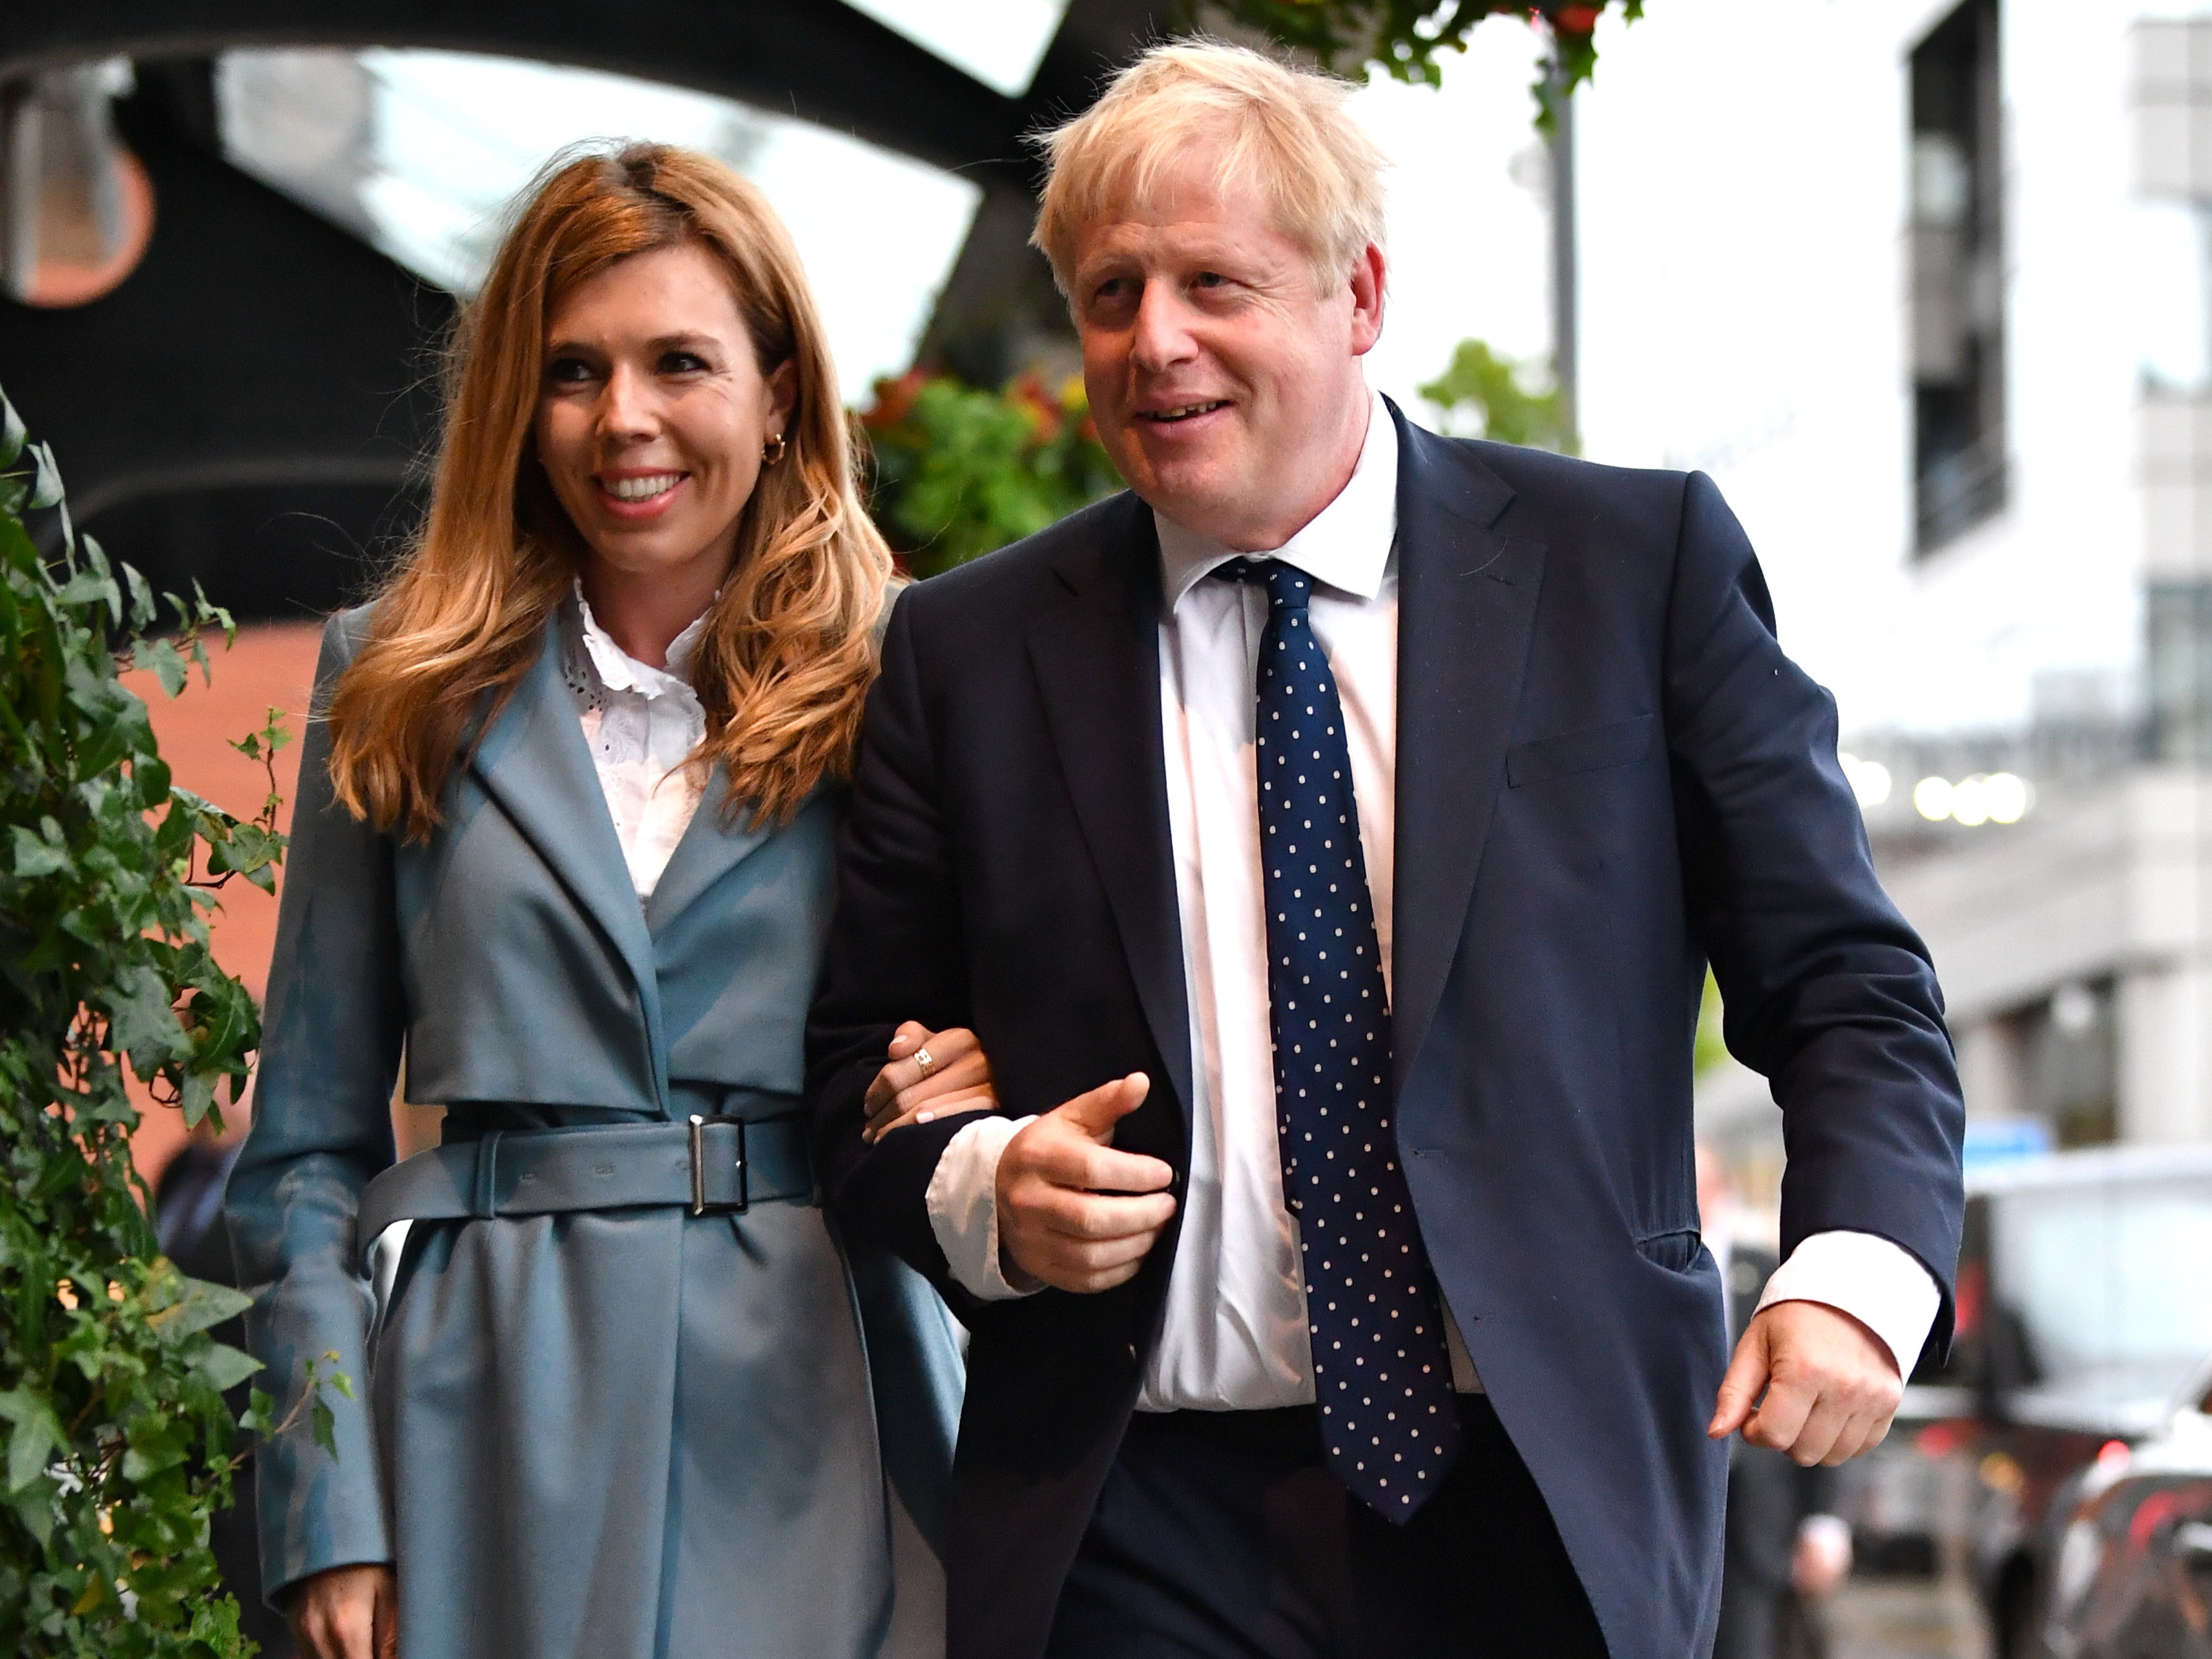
1209, 279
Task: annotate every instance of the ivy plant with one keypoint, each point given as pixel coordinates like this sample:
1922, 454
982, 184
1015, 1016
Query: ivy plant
118, 1445
1403, 38
961, 471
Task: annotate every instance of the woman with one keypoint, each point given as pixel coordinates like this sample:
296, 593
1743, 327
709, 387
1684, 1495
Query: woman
563, 841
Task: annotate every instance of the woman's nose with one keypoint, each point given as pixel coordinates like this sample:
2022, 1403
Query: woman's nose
627, 408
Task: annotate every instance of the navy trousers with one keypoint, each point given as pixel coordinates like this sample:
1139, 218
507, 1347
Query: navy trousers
1223, 1535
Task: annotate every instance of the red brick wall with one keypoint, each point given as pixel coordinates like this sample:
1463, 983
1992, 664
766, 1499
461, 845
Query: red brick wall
269, 665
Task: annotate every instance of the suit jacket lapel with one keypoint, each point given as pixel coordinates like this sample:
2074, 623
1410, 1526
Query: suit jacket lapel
1095, 646
1466, 606
534, 763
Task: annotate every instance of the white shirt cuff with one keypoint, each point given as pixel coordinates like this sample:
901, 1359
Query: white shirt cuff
964, 1205
1875, 1282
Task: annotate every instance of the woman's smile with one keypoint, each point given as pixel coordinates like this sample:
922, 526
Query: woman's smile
635, 496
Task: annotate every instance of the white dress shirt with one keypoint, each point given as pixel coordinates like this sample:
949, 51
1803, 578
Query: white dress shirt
641, 723
1234, 1337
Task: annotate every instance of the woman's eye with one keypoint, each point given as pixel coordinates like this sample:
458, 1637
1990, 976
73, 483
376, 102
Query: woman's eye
682, 362
568, 371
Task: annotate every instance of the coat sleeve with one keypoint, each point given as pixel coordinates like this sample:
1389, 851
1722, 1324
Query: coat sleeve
1828, 992
895, 952
321, 1129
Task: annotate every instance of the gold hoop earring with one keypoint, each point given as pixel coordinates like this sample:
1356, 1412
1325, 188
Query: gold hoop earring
772, 451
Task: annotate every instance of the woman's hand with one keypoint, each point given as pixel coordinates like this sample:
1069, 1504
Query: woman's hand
956, 1078
346, 1612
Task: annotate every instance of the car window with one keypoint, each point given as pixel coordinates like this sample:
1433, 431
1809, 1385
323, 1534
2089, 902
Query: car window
2107, 1278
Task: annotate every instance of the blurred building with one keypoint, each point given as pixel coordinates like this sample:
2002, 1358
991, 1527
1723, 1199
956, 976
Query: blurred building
2021, 512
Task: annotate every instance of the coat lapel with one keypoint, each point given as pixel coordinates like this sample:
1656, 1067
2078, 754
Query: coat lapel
534, 763
711, 844
1095, 646
1467, 607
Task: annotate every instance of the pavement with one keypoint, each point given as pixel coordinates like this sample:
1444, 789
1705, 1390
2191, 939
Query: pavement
1905, 1619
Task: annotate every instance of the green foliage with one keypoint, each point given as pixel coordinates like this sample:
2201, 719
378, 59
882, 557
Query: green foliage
1404, 37
961, 471
1711, 1049
117, 1440
1492, 389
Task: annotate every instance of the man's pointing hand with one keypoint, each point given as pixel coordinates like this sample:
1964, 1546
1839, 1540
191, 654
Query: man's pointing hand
1073, 1212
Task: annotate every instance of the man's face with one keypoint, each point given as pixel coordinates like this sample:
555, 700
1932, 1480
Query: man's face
1224, 381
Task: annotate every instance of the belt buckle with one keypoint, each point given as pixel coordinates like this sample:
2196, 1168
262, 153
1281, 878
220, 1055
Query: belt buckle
698, 1140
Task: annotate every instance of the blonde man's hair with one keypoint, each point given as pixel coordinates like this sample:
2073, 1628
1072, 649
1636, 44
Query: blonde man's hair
1284, 131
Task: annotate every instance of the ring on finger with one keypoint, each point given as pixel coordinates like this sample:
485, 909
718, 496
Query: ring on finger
925, 1061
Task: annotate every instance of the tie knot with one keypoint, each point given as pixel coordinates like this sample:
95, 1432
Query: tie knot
1288, 588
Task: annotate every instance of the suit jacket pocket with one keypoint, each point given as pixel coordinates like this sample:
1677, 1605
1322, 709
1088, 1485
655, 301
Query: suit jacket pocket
1677, 1252
1618, 743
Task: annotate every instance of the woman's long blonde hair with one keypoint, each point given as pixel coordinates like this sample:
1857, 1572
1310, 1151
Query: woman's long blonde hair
788, 650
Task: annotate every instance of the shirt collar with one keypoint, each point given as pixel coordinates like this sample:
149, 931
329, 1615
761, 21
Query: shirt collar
1345, 546
620, 672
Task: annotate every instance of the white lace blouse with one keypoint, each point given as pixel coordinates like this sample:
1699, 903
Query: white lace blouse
641, 724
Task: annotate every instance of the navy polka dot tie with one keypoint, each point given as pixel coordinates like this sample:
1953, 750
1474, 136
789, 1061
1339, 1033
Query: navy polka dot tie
1381, 1373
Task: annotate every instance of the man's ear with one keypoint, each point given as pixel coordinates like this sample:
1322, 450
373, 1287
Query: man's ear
1369, 276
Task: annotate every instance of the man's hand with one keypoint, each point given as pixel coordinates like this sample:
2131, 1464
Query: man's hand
1073, 1212
1829, 1385
346, 1612
957, 1080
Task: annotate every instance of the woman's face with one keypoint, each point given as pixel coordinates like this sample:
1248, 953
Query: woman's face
653, 414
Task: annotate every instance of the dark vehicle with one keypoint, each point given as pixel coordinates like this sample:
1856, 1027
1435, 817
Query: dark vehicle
2084, 1304
2131, 1548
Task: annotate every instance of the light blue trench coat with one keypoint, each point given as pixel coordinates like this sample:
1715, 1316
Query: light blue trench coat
626, 1434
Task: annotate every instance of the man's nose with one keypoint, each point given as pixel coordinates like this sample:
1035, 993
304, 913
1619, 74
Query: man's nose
1162, 336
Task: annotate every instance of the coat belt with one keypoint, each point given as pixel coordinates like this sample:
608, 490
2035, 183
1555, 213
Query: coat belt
708, 1166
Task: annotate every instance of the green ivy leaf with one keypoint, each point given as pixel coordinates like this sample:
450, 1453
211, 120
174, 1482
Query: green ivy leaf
196, 1098
167, 665
11, 432
226, 1367
259, 1417
41, 854
142, 608
144, 1023
46, 490
35, 1436
199, 1305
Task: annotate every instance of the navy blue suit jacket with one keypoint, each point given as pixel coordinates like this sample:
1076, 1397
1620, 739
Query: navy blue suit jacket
1609, 774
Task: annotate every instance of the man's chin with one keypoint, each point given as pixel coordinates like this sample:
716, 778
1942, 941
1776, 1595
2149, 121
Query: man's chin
1198, 497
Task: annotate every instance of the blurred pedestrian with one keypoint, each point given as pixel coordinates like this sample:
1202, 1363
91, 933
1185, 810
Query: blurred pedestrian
567, 808
188, 1228
1785, 1549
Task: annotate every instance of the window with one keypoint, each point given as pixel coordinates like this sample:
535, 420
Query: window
421, 153
1957, 251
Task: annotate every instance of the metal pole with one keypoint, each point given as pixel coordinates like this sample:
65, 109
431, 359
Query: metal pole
1564, 364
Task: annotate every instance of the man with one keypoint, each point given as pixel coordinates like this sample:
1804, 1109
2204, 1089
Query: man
1325, 842
1785, 1548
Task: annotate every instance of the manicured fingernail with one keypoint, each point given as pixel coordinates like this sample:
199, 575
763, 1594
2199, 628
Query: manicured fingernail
924, 1117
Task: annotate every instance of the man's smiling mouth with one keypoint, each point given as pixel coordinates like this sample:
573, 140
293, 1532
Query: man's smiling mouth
1183, 411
